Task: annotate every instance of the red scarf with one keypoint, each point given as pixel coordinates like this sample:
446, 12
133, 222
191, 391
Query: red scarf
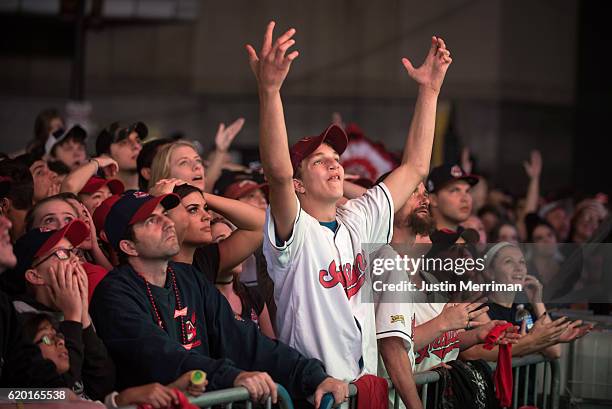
503, 373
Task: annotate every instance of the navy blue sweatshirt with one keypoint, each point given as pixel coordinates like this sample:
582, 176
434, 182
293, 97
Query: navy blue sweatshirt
217, 343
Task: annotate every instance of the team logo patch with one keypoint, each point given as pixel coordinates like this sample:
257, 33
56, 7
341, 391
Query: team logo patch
439, 347
398, 318
191, 333
140, 195
351, 277
456, 171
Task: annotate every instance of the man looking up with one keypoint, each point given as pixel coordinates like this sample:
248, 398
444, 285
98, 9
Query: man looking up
159, 318
315, 250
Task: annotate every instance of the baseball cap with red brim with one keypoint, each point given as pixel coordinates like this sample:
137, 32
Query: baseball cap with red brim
131, 208
99, 215
95, 183
37, 242
241, 188
333, 135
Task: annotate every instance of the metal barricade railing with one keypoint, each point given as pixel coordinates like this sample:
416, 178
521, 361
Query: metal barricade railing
550, 386
226, 398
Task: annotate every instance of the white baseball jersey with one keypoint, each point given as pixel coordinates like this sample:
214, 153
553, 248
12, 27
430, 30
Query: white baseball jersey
393, 318
445, 348
318, 275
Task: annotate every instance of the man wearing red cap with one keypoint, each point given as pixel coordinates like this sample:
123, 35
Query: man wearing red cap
160, 319
315, 250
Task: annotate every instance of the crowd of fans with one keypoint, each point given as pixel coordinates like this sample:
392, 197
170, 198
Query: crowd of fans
124, 272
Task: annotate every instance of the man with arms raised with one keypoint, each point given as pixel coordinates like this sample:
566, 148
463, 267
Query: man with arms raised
314, 250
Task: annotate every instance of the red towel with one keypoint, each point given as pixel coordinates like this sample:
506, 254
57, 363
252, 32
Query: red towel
372, 392
503, 373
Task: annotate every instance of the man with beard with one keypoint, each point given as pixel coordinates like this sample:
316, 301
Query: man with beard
412, 227
450, 200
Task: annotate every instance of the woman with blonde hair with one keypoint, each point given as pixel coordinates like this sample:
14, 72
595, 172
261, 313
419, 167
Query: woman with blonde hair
178, 160
181, 159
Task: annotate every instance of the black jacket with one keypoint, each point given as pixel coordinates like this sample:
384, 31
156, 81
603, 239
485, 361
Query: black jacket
21, 363
218, 344
92, 372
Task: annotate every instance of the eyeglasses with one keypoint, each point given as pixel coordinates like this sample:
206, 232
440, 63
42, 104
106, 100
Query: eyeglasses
60, 253
52, 339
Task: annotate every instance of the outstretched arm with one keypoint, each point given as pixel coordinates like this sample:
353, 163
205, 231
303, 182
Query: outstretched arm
417, 150
223, 140
533, 168
243, 242
271, 67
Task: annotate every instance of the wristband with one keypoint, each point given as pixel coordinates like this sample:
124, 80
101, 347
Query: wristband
96, 162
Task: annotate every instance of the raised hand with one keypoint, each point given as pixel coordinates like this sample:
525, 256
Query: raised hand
271, 66
574, 331
225, 136
457, 316
547, 333
165, 186
83, 286
65, 291
466, 162
533, 289
510, 336
533, 168
431, 73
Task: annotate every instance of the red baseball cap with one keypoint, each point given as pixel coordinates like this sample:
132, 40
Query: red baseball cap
333, 135
131, 208
95, 183
99, 215
241, 188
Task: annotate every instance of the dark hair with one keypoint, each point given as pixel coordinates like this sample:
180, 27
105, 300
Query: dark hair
489, 209
31, 322
62, 197
116, 132
495, 232
58, 167
21, 193
185, 190
145, 159
67, 139
532, 221
42, 122
128, 235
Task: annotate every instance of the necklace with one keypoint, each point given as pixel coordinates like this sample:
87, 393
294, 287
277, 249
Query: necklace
179, 312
